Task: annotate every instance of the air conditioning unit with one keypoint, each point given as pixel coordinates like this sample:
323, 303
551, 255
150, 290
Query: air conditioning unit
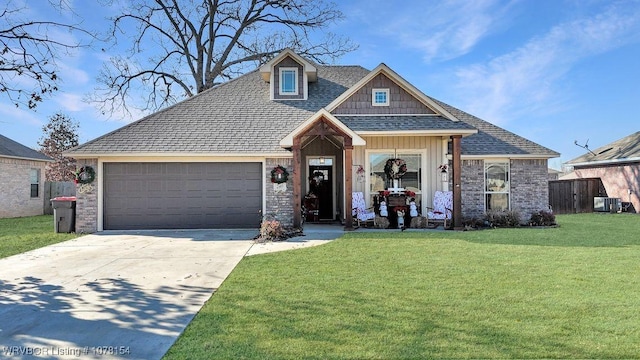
607, 204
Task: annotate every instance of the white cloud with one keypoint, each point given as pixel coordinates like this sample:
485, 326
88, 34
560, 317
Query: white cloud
444, 30
11, 114
71, 102
530, 78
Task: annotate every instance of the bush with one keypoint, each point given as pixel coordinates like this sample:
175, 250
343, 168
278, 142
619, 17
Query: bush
474, 222
503, 218
271, 230
542, 218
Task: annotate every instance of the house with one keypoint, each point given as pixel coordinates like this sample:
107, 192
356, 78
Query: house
617, 165
21, 179
207, 162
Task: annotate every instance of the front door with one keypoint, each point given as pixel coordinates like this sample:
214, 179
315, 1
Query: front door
321, 184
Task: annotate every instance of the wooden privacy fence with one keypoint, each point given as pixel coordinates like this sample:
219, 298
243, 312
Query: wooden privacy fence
54, 189
575, 195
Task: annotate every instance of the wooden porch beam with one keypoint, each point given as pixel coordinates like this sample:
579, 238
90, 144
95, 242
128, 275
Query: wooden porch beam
297, 182
348, 181
457, 182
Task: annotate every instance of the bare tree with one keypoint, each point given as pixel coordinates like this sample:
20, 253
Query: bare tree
182, 47
28, 54
59, 134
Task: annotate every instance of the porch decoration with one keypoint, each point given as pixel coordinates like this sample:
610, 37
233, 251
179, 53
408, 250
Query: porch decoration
360, 177
84, 175
443, 171
395, 168
279, 175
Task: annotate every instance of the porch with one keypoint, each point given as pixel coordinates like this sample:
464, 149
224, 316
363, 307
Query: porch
330, 162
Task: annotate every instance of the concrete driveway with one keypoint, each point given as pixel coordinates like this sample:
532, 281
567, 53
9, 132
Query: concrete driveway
112, 295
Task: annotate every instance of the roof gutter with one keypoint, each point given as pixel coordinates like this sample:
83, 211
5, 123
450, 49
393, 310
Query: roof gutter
26, 158
283, 154
507, 156
605, 162
466, 132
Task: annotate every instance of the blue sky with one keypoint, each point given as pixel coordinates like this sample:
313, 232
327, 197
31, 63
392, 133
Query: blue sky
553, 71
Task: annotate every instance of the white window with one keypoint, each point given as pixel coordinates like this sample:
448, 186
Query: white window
34, 176
412, 179
496, 177
288, 81
380, 97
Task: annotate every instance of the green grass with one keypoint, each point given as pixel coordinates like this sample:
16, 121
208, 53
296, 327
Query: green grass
18, 235
566, 292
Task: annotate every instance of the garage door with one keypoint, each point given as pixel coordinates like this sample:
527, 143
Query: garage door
182, 195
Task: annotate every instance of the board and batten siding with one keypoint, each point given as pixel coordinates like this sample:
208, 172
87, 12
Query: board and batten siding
288, 62
400, 101
435, 155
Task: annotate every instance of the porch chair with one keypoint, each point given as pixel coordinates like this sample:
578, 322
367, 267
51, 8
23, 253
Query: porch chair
442, 208
360, 211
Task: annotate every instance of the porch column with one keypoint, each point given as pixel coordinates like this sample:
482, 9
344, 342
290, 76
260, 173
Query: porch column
348, 181
297, 181
457, 181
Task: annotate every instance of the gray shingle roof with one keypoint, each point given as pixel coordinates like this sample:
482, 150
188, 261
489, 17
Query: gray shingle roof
235, 117
401, 123
494, 140
14, 149
620, 150
238, 117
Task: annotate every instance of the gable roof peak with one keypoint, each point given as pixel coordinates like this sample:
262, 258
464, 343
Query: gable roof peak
309, 68
395, 77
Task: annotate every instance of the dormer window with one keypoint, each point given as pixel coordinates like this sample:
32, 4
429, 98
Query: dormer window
380, 97
289, 81
289, 76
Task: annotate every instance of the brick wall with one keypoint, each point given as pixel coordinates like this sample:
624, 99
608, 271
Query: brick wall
529, 187
617, 181
15, 188
279, 205
472, 188
87, 201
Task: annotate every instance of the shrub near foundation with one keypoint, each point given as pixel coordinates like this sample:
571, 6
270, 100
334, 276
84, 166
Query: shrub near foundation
503, 218
543, 218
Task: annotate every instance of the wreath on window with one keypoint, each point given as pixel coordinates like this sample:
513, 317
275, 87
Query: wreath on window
395, 168
279, 175
84, 175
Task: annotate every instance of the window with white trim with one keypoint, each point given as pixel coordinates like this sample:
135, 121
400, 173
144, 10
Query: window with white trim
496, 177
380, 97
412, 179
34, 176
288, 81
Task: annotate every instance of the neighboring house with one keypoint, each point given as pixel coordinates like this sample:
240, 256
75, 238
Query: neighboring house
206, 162
21, 179
554, 174
617, 165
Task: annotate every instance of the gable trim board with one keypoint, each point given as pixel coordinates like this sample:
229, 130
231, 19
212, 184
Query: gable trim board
238, 122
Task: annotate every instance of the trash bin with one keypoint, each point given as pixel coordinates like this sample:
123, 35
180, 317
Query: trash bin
64, 214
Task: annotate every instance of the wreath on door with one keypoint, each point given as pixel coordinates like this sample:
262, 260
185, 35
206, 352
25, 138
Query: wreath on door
395, 168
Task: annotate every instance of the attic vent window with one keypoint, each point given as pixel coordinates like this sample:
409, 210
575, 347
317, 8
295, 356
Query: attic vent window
380, 97
288, 81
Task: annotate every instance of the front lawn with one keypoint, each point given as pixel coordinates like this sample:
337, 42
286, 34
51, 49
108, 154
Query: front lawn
18, 235
566, 292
